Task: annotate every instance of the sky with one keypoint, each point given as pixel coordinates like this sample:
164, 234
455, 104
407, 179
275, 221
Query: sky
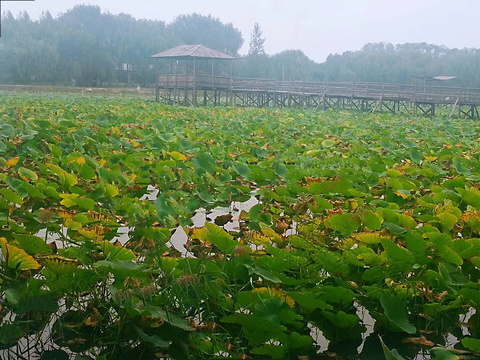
317, 27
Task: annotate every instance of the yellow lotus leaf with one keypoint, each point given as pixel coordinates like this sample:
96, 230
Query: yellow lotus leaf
27, 174
16, 258
199, 233
74, 225
279, 293
94, 233
12, 161
81, 160
132, 177
406, 221
430, 158
134, 143
94, 216
65, 214
259, 238
115, 130
177, 155
402, 195
345, 244
369, 238
469, 215
401, 167
57, 264
68, 200
155, 323
259, 252
272, 235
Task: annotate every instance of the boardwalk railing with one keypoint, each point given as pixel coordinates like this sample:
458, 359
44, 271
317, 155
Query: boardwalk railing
414, 93
364, 90
184, 88
199, 81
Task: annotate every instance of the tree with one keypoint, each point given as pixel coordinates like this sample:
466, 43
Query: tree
256, 41
293, 65
205, 30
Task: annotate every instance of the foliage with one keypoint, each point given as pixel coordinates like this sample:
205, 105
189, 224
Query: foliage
256, 41
355, 214
385, 62
119, 47
86, 47
206, 30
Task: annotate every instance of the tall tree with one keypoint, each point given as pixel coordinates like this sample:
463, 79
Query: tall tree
256, 41
205, 30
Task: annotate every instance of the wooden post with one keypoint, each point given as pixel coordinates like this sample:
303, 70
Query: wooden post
379, 103
185, 91
194, 95
454, 107
230, 85
212, 76
166, 81
175, 85
381, 98
156, 81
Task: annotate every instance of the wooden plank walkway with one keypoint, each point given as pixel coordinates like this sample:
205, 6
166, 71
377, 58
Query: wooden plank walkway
363, 96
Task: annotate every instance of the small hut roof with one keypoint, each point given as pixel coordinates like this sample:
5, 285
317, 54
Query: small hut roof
193, 52
442, 77
438, 78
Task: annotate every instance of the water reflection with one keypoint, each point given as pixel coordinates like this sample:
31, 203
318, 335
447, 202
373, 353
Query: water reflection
179, 237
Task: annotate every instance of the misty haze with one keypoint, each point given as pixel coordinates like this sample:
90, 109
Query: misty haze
240, 180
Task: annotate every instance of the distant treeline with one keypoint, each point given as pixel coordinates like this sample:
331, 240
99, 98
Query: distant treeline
86, 47
382, 62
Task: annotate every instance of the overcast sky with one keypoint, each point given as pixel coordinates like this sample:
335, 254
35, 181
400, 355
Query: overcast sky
317, 27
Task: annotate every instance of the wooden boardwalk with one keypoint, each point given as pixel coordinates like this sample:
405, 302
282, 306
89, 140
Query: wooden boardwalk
203, 89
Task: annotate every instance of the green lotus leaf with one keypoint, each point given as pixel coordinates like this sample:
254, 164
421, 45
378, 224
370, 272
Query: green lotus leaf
396, 311
217, 236
11, 196
345, 224
32, 244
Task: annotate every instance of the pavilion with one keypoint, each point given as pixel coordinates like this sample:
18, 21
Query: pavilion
187, 70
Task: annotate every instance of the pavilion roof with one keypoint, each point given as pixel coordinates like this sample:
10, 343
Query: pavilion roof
192, 52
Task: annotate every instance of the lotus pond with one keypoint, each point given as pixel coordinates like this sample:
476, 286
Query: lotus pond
362, 239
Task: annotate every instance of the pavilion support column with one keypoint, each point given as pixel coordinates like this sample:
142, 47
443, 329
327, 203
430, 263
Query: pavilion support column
194, 97
175, 88
157, 95
186, 84
230, 86
194, 91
